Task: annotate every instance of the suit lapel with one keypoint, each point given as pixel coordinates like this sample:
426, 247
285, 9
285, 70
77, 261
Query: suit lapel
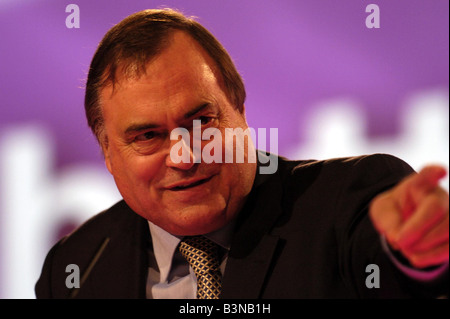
245, 275
253, 248
133, 260
121, 270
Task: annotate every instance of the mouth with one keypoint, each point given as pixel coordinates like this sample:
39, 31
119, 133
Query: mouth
184, 185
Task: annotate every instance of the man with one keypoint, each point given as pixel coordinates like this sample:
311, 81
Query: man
313, 229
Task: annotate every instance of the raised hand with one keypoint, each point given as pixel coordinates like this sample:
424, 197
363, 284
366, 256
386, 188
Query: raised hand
413, 216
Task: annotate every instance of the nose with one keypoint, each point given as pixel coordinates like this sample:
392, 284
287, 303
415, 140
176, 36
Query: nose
181, 155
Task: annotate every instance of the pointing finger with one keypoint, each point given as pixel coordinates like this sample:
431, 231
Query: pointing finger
429, 213
413, 189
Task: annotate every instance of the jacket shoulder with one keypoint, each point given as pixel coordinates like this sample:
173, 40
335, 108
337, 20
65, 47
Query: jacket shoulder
107, 228
371, 167
105, 223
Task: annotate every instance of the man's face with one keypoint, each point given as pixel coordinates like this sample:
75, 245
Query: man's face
180, 85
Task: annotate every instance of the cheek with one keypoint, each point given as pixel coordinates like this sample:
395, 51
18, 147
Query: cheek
133, 172
231, 178
240, 177
145, 168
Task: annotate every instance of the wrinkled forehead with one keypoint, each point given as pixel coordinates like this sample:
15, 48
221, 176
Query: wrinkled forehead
181, 60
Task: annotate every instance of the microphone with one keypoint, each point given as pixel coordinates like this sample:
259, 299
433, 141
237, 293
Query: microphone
91, 265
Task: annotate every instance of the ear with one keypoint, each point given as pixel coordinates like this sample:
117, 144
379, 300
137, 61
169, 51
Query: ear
242, 111
108, 163
106, 154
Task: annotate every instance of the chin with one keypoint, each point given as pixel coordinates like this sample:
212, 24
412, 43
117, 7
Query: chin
195, 222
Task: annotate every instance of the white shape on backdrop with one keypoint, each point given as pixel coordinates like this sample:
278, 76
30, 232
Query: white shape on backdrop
337, 129
35, 198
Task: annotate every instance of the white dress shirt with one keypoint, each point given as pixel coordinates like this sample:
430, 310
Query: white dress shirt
169, 273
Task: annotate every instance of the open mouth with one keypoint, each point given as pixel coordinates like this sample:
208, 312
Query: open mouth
190, 185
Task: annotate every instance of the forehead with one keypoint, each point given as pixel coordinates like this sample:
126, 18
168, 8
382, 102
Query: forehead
179, 79
182, 63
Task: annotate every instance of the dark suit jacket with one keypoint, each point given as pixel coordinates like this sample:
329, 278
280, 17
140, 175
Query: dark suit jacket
303, 233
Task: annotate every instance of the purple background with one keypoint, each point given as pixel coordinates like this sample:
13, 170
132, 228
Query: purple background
290, 53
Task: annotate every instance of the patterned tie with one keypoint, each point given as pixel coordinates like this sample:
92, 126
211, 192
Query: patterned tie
202, 255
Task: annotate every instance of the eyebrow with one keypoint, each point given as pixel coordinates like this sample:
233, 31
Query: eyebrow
147, 126
139, 127
196, 110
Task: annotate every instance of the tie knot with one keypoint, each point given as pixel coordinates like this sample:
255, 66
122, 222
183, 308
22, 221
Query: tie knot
201, 253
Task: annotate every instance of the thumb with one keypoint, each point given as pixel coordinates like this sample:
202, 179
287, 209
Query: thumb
429, 176
413, 189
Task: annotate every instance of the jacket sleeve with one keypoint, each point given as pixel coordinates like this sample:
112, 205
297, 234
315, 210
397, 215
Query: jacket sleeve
359, 242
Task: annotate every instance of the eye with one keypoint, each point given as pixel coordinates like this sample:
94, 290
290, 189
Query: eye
145, 136
204, 120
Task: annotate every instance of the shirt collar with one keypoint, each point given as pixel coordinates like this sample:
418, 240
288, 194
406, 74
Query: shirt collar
165, 245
